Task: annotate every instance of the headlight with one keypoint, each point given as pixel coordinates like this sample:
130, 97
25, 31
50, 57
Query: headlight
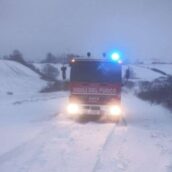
115, 110
72, 108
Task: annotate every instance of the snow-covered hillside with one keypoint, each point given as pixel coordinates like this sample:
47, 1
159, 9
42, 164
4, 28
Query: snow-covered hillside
141, 73
166, 68
16, 78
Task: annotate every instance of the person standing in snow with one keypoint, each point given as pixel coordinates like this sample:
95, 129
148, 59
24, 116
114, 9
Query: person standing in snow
127, 74
63, 69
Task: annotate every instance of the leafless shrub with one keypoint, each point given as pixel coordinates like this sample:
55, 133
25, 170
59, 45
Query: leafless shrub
56, 86
159, 91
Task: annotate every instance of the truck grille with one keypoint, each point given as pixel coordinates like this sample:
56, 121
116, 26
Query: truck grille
92, 107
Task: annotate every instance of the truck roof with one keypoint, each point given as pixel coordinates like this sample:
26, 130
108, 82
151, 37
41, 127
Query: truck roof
91, 59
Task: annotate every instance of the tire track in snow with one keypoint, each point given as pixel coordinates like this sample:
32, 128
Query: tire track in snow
15, 157
107, 142
38, 99
23, 157
103, 147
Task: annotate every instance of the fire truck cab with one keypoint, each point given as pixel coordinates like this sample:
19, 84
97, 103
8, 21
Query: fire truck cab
95, 88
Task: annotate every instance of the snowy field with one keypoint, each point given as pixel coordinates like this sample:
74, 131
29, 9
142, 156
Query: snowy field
37, 136
166, 68
140, 73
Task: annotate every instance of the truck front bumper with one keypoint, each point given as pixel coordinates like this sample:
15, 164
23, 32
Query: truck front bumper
112, 110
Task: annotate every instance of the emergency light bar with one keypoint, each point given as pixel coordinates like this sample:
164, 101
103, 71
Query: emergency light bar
112, 56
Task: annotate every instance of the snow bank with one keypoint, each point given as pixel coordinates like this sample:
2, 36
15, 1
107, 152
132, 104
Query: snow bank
16, 78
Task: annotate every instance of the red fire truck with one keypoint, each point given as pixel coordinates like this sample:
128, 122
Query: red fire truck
95, 88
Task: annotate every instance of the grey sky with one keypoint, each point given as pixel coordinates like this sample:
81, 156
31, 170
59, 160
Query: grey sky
139, 28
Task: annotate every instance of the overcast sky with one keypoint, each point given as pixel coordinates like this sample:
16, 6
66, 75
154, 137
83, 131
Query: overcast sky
138, 28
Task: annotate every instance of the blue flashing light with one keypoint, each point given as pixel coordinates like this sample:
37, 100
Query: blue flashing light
115, 56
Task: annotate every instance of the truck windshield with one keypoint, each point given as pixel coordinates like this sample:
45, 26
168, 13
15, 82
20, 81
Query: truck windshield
93, 71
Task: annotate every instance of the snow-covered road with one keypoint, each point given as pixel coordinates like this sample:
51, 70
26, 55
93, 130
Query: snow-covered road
40, 138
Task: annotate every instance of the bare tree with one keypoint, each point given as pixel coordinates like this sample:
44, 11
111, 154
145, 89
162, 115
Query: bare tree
50, 72
17, 56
